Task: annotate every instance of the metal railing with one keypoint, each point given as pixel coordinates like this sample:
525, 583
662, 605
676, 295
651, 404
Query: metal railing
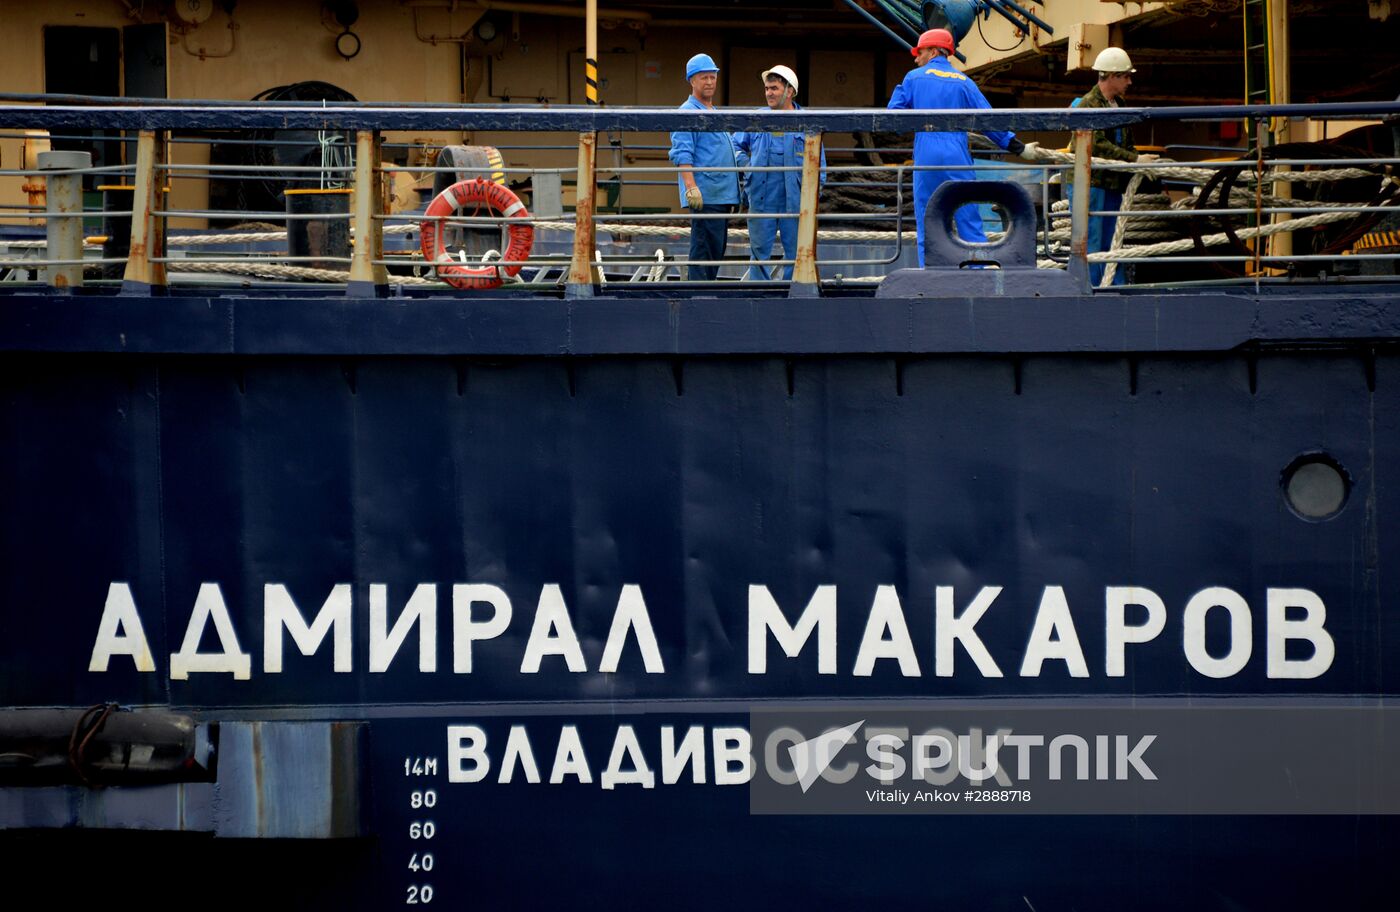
582, 268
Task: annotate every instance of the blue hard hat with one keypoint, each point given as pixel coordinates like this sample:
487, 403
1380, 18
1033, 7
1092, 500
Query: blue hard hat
700, 63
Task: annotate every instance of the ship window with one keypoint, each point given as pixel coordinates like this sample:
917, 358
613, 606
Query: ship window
1315, 486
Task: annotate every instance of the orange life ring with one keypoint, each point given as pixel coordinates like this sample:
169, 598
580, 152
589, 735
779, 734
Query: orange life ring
476, 192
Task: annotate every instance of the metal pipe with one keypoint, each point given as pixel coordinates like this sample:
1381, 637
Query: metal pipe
869, 17
1020, 26
367, 279
1281, 244
1079, 205
1025, 12
543, 9
590, 56
804, 273
750, 25
145, 274
583, 274
65, 235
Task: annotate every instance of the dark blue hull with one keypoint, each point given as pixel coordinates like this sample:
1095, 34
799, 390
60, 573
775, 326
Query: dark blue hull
693, 448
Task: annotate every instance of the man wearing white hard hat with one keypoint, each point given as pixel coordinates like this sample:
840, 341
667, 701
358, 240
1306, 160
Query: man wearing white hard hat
774, 191
705, 192
1115, 71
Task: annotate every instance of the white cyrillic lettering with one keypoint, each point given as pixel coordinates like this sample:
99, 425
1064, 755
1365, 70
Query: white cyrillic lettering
279, 611
632, 614
949, 629
1309, 627
1118, 632
728, 746
518, 748
1053, 620
1194, 632
466, 742
886, 614
465, 630
421, 609
552, 634
819, 615
691, 751
120, 632
209, 605
625, 747
569, 758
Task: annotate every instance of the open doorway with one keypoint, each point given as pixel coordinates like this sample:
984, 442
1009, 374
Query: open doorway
103, 62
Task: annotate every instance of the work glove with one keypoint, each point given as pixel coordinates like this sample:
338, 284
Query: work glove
1145, 157
693, 200
1031, 151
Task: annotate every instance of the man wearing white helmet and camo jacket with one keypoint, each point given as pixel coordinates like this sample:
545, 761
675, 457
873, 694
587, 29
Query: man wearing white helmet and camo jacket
1115, 71
774, 191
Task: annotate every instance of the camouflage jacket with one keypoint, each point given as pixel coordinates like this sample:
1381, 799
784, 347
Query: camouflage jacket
1116, 143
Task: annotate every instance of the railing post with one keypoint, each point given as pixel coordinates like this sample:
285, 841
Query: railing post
1280, 71
805, 279
369, 278
35, 142
1079, 206
64, 226
145, 273
583, 275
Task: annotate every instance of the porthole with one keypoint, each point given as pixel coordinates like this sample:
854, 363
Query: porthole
1315, 487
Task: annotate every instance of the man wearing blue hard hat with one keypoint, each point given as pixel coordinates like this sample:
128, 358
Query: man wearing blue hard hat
705, 192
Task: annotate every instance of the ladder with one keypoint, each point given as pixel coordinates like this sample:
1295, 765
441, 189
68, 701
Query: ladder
1258, 60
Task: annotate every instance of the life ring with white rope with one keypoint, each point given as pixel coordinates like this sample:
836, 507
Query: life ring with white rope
479, 192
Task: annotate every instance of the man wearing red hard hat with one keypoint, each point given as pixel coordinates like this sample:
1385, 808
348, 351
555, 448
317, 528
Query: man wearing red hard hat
935, 84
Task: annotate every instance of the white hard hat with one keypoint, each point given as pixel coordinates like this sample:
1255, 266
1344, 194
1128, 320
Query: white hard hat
782, 72
1113, 60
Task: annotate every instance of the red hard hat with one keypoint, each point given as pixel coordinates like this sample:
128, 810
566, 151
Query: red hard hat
934, 38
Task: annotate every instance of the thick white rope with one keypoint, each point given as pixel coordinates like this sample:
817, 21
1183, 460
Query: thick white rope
1116, 249
279, 271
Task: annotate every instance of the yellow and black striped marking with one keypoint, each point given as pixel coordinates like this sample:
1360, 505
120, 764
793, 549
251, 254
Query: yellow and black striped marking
590, 80
1378, 239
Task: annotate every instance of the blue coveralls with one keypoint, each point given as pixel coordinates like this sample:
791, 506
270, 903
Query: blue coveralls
773, 191
938, 86
718, 189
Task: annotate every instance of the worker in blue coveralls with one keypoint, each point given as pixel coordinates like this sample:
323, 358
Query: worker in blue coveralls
774, 191
935, 84
705, 192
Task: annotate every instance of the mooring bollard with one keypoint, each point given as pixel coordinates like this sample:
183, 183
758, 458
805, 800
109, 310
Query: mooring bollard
64, 225
327, 240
